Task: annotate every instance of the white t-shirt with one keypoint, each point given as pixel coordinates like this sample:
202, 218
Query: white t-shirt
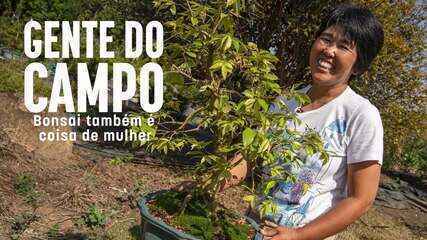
352, 131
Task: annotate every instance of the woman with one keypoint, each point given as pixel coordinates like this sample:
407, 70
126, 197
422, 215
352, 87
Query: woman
327, 198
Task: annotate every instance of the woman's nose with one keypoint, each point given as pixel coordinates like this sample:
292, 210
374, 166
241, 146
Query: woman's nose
329, 51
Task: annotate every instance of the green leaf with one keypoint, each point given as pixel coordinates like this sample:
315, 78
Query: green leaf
269, 186
174, 78
236, 44
248, 136
309, 150
248, 93
249, 103
249, 198
274, 87
226, 69
296, 145
324, 156
264, 145
302, 99
271, 77
226, 42
191, 54
217, 65
171, 24
173, 9
194, 21
263, 104
276, 171
230, 2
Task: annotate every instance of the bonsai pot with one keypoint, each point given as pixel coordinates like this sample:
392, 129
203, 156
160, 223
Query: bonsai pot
155, 229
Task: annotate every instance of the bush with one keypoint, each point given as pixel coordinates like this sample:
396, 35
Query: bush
12, 78
415, 155
94, 217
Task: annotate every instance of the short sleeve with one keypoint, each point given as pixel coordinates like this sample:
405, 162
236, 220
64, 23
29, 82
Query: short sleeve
365, 136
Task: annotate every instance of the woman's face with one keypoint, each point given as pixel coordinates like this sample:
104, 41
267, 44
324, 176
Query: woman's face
332, 58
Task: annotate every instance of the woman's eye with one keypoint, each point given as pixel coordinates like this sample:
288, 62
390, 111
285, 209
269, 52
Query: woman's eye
345, 47
324, 39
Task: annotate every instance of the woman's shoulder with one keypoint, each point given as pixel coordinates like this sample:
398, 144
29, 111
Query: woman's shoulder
358, 104
363, 112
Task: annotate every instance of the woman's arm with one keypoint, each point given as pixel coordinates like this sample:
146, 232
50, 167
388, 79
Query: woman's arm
363, 179
238, 172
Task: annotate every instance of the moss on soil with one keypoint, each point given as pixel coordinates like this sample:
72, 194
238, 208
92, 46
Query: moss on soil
197, 220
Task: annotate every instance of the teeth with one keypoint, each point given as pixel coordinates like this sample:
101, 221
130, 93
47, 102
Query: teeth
324, 64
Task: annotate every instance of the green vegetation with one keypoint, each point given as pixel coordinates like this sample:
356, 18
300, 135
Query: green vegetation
25, 186
94, 217
197, 220
198, 226
224, 84
53, 232
169, 201
235, 231
415, 156
119, 160
12, 78
21, 222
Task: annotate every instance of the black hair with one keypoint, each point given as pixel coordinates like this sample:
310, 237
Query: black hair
359, 26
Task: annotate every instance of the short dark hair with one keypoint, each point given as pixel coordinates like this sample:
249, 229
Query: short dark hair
361, 27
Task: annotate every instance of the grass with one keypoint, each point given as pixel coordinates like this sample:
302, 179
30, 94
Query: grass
119, 160
21, 222
53, 232
25, 186
12, 78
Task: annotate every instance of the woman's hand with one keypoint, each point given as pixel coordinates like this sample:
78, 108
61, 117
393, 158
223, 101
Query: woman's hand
272, 231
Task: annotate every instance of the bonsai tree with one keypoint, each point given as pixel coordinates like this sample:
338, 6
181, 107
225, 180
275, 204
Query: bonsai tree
220, 92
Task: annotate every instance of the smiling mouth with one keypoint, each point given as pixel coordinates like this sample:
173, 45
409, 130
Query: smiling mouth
324, 65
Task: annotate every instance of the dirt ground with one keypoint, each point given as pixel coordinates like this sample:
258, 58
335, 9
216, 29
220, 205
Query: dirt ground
48, 189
